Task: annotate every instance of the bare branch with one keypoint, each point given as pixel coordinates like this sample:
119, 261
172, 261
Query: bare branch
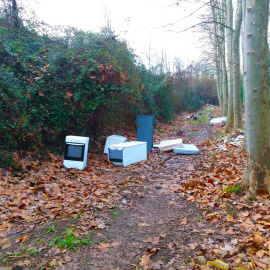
201, 23
171, 24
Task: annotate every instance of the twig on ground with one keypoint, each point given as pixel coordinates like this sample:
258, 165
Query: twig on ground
188, 229
167, 158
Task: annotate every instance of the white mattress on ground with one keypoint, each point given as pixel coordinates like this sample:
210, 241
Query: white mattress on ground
187, 149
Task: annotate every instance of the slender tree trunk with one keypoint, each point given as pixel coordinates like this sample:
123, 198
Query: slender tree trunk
214, 9
257, 127
222, 14
236, 69
225, 86
229, 37
268, 67
243, 34
219, 86
15, 14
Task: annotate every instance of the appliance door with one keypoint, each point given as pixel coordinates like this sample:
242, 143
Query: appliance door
145, 130
74, 151
116, 155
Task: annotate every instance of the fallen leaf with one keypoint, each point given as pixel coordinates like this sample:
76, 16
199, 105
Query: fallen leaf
152, 250
260, 253
114, 244
172, 245
264, 223
228, 250
245, 227
259, 263
258, 240
101, 224
265, 260
184, 221
234, 242
103, 246
22, 239
231, 218
4, 243
219, 264
68, 258
145, 260
241, 255
210, 231
193, 246
143, 224
153, 240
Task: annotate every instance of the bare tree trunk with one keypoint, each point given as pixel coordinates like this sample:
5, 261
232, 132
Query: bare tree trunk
225, 86
236, 68
222, 14
15, 14
229, 37
257, 127
219, 85
243, 34
217, 44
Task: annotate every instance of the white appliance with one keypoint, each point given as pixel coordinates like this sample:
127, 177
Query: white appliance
169, 145
76, 149
127, 153
113, 139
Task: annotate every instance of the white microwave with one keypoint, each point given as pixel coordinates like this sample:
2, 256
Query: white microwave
76, 148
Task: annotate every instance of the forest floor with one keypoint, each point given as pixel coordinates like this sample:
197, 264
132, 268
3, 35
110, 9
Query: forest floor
168, 212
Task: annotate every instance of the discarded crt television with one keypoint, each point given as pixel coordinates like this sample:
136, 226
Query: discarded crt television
76, 149
145, 130
127, 153
113, 139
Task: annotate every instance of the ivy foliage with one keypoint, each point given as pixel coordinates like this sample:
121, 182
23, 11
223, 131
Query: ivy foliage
50, 86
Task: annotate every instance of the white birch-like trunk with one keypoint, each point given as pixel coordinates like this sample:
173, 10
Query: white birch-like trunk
257, 127
222, 20
215, 10
229, 38
225, 86
219, 85
236, 68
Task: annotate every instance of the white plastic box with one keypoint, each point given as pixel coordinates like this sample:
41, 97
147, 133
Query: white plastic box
113, 139
127, 153
76, 149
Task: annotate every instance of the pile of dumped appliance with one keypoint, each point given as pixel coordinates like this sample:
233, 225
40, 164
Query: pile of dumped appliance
123, 152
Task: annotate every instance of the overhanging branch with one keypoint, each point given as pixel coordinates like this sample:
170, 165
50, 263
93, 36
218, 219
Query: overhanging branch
195, 25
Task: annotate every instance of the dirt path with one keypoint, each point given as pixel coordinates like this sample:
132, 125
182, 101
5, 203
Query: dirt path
154, 226
137, 217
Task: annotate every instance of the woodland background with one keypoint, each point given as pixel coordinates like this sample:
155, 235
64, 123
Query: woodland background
169, 211
61, 81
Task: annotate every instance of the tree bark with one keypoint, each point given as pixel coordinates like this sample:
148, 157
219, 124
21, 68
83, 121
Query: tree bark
217, 44
229, 38
257, 127
222, 19
236, 68
219, 85
15, 14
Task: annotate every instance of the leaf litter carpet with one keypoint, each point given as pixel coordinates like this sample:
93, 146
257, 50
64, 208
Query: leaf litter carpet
168, 212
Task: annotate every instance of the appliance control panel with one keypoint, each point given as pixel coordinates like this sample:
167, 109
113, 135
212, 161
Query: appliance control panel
76, 139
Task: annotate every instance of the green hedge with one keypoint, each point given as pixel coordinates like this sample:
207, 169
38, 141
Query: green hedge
76, 83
